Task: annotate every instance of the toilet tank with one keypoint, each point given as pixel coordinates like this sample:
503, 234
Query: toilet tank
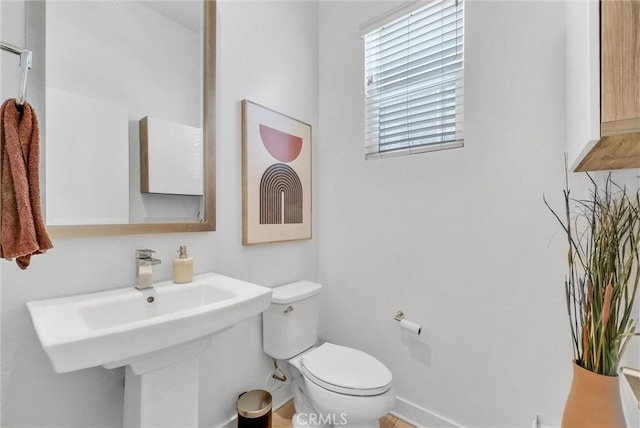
290, 324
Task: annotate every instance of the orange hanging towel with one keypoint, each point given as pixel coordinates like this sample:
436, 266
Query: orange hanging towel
23, 231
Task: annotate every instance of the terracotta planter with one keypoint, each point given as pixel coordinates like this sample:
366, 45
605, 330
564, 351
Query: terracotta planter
594, 401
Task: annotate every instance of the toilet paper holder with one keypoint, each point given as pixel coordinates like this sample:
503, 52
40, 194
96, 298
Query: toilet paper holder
405, 324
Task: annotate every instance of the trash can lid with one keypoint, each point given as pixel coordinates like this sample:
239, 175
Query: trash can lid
253, 404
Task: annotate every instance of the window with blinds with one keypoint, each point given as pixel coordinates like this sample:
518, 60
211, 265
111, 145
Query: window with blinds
414, 88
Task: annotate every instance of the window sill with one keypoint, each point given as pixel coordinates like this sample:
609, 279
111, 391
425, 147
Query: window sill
415, 150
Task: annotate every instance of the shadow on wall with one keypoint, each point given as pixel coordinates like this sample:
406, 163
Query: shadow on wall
418, 350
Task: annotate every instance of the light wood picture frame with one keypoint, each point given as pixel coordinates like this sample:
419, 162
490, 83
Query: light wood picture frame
276, 176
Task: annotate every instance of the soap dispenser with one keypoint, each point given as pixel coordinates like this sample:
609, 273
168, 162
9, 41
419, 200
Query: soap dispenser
183, 267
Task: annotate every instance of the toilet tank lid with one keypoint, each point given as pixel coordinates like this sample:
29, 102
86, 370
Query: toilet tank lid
294, 292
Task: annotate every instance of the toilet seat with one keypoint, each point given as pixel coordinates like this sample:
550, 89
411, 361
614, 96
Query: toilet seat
346, 370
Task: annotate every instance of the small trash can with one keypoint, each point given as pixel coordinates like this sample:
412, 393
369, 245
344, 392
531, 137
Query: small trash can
254, 409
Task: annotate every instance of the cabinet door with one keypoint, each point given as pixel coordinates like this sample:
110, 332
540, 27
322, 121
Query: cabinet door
620, 72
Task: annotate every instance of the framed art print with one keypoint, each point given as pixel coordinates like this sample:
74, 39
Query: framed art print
276, 176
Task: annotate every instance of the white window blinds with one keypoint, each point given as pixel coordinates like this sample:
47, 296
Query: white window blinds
414, 89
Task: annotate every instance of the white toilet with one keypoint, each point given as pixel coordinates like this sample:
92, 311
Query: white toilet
332, 385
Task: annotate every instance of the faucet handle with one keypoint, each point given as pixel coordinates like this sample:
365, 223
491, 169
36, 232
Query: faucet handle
144, 254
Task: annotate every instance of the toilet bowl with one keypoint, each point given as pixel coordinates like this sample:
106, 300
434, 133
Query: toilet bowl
351, 386
332, 385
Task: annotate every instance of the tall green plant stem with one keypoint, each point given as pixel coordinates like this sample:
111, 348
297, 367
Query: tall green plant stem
603, 272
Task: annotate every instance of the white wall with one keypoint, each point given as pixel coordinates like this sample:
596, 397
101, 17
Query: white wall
459, 240
267, 53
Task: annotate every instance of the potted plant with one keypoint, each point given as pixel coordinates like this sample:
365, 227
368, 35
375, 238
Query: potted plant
603, 234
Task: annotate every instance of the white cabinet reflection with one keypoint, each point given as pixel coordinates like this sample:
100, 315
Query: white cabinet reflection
170, 157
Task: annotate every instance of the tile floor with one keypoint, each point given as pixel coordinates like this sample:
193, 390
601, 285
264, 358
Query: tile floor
282, 419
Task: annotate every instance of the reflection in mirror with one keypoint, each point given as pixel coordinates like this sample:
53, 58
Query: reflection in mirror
109, 65
168, 146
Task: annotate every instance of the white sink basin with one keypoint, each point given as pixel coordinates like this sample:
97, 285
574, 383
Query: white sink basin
119, 327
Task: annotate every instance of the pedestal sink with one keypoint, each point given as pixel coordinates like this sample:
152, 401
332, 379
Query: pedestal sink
157, 334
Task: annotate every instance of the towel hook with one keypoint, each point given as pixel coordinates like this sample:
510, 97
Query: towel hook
25, 65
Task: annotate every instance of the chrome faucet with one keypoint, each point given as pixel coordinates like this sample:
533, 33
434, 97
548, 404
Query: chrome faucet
144, 277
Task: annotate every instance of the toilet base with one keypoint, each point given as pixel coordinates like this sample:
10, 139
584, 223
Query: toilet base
314, 420
307, 420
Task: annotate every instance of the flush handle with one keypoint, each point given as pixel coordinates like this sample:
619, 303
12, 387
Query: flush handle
288, 310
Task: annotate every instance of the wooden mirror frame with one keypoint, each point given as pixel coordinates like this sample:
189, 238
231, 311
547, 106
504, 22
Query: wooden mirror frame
209, 103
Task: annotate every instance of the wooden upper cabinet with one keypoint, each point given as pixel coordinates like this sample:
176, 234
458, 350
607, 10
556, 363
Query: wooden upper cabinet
619, 145
620, 62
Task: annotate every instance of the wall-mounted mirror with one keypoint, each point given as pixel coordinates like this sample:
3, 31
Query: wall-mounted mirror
129, 120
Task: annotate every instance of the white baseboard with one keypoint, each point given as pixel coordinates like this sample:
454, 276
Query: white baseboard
543, 422
419, 416
404, 409
230, 424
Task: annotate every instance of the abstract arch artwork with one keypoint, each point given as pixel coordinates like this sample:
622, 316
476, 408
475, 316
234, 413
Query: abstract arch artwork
276, 157
280, 196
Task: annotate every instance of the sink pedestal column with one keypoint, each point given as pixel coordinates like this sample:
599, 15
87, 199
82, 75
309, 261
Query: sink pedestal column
162, 392
164, 398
